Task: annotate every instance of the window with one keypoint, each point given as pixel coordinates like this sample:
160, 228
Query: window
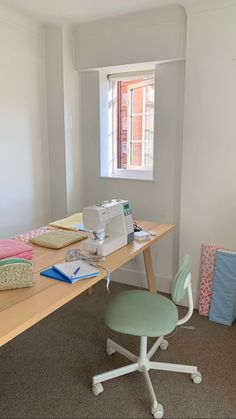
130, 99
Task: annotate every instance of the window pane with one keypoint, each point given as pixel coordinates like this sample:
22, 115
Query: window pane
136, 154
136, 128
149, 98
149, 127
135, 123
137, 100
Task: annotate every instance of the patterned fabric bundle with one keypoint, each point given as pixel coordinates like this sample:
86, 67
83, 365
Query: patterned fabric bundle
13, 248
33, 233
15, 273
57, 239
208, 258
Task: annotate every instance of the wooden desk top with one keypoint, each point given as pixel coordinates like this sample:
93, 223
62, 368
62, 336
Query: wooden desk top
22, 308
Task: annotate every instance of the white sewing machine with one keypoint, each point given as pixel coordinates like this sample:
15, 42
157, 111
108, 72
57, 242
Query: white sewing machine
112, 226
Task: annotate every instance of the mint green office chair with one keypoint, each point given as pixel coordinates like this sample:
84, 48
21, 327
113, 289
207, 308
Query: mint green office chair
141, 313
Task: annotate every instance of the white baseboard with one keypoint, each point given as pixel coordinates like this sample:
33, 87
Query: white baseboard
139, 279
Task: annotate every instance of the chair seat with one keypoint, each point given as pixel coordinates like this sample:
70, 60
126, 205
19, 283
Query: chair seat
141, 313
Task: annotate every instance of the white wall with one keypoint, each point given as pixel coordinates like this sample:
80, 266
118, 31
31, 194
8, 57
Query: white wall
151, 35
24, 188
56, 122
157, 200
208, 198
66, 171
41, 176
72, 117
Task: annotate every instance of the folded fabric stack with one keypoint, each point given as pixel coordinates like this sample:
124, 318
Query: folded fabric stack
223, 298
12, 248
33, 233
57, 239
208, 258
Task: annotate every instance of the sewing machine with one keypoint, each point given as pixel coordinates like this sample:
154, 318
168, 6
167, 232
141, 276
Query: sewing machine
112, 225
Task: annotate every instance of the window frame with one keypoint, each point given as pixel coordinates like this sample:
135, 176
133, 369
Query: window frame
108, 127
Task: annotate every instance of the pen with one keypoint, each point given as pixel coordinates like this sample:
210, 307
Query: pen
76, 271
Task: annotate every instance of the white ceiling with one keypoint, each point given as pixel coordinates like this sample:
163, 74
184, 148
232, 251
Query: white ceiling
84, 10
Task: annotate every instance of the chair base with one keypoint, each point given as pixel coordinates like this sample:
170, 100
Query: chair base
143, 364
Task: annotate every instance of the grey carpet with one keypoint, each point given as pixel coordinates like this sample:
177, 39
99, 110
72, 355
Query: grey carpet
46, 372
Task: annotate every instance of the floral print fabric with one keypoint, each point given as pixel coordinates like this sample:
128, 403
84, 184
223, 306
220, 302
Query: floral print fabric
208, 258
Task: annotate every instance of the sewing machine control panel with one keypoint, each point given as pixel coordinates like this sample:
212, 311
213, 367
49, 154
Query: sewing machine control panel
128, 222
127, 209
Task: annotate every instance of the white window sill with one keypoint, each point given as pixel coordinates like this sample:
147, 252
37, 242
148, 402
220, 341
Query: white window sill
127, 178
129, 174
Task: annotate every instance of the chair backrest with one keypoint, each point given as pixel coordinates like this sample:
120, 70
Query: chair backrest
178, 290
182, 285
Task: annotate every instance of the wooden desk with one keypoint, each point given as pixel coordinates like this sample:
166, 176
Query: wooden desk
22, 308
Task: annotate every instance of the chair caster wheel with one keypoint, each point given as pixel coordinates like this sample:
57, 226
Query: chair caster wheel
164, 345
97, 389
109, 350
196, 377
157, 411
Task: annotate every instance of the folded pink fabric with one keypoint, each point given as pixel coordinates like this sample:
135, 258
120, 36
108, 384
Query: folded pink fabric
10, 248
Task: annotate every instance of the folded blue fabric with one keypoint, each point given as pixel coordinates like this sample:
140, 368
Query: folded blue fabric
224, 288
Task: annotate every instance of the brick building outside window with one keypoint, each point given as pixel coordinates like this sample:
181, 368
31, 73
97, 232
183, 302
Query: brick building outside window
135, 124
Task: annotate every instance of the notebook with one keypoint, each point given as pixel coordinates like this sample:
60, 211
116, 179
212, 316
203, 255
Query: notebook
64, 271
52, 273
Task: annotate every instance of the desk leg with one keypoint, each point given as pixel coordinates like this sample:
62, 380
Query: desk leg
90, 291
149, 270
